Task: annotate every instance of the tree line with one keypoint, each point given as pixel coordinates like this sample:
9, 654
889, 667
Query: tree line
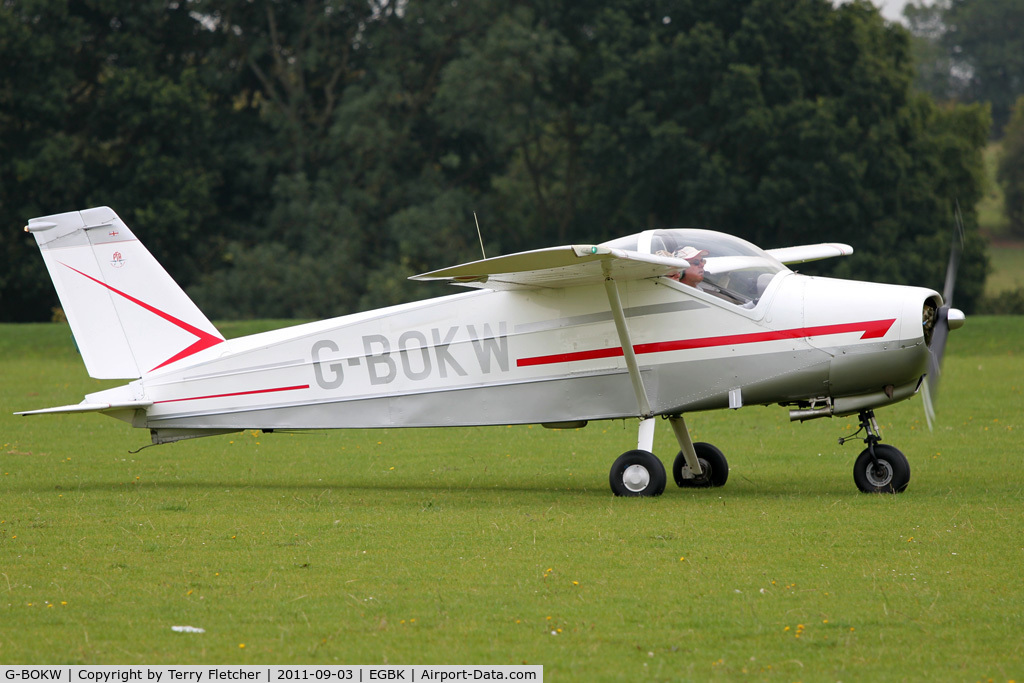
303, 158
973, 50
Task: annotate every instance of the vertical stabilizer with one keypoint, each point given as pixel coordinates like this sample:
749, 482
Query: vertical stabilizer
127, 314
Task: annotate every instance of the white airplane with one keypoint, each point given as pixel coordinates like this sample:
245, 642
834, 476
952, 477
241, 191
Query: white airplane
660, 323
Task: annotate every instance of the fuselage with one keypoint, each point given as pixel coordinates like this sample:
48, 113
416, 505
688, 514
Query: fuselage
551, 355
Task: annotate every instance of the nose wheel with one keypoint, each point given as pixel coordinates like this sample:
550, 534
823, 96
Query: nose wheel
880, 468
886, 470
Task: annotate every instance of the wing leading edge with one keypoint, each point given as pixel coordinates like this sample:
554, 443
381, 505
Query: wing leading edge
556, 267
811, 252
574, 265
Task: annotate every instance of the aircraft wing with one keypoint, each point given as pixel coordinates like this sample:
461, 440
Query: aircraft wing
556, 267
811, 252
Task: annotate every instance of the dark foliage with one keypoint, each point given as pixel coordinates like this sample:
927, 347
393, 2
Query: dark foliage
304, 158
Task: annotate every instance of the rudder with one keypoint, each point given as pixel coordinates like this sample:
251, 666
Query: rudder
128, 315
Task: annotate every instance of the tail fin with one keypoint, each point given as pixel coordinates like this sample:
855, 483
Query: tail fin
127, 314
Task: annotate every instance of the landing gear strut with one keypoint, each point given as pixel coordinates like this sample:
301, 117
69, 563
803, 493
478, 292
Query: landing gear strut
640, 473
879, 468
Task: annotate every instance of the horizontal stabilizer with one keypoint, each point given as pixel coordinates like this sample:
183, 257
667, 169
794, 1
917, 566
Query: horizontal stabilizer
556, 267
811, 252
85, 407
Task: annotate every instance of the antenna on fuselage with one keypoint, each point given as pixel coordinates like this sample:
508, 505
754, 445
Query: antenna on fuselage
480, 236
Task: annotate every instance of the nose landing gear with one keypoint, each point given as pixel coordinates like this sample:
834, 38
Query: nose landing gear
879, 468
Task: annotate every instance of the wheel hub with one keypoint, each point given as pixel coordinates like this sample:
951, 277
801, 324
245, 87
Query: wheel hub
636, 478
705, 474
879, 473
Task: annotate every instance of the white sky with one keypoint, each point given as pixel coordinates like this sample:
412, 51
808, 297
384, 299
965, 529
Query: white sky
891, 9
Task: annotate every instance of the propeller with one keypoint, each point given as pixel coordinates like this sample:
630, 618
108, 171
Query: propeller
946, 318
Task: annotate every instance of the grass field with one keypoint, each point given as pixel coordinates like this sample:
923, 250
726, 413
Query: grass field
504, 545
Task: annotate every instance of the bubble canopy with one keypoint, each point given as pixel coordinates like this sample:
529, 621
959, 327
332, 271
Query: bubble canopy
735, 269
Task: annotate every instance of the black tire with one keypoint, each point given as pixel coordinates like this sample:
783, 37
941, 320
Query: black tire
637, 473
712, 461
891, 475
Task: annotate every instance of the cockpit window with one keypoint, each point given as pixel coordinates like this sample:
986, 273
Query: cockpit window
733, 269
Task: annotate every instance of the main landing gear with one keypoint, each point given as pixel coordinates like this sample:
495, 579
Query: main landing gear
880, 468
640, 473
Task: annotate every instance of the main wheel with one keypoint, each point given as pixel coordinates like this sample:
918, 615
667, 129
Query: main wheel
637, 473
712, 462
890, 475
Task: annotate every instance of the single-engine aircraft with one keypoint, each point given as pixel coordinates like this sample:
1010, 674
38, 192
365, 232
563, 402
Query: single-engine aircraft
660, 323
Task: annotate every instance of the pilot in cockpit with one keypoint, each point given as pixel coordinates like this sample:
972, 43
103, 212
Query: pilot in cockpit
693, 275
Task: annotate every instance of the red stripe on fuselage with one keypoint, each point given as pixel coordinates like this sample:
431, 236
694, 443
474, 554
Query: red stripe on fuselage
871, 330
205, 339
235, 393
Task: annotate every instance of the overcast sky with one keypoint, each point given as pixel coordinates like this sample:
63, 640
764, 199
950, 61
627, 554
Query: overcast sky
891, 9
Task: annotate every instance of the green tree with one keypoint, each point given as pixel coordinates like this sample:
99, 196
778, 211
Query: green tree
986, 40
780, 122
1011, 168
307, 157
345, 147
936, 74
970, 50
103, 105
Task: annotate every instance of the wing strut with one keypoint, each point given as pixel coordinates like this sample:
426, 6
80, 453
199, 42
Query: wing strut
627, 345
686, 444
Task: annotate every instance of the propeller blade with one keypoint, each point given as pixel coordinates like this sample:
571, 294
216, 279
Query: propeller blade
937, 351
941, 330
929, 407
956, 249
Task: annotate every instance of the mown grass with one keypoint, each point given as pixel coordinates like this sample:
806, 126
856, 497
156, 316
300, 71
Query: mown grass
504, 545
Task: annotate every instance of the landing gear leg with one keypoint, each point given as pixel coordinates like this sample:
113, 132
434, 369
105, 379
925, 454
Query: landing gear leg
639, 472
879, 468
698, 465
